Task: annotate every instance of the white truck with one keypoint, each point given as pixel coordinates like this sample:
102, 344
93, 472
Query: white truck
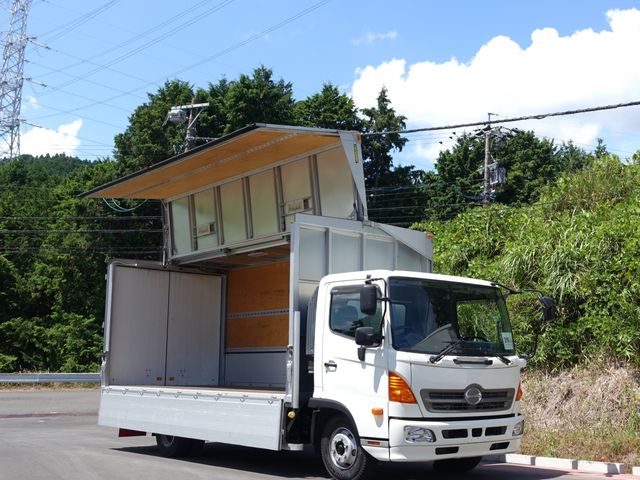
281, 317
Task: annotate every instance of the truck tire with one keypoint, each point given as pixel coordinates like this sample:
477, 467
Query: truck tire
456, 465
342, 455
171, 447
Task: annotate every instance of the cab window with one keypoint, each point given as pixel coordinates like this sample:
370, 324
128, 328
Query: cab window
346, 316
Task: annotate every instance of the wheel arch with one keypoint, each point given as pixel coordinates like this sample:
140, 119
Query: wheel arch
323, 410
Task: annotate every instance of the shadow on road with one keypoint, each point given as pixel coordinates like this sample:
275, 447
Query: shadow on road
306, 464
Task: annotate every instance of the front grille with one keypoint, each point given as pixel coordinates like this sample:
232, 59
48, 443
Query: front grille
455, 433
445, 401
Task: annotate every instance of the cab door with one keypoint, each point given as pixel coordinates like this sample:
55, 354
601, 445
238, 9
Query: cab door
360, 386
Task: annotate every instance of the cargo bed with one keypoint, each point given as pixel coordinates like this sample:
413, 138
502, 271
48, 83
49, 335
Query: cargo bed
205, 413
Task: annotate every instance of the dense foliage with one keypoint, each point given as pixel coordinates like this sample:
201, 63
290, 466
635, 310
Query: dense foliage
530, 164
52, 260
580, 244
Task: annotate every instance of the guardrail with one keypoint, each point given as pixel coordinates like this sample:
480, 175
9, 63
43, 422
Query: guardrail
48, 377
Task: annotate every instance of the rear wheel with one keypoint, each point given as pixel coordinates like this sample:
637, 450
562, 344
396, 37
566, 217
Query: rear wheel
456, 465
342, 454
171, 446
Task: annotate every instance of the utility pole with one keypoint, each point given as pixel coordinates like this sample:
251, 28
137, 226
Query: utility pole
493, 173
178, 115
12, 79
487, 155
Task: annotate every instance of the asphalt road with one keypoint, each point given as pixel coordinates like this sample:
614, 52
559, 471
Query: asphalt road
52, 434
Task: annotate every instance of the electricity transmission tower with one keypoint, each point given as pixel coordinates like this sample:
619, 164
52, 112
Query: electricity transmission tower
12, 78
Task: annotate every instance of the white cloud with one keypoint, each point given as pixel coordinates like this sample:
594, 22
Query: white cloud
553, 73
32, 102
370, 38
40, 141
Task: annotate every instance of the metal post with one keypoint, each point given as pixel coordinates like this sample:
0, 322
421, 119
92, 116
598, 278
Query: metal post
487, 154
177, 115
190, 139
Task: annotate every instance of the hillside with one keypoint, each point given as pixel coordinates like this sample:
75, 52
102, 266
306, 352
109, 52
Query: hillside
580, 243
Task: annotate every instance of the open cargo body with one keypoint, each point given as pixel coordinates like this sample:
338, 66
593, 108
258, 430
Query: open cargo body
210, 344
203, 352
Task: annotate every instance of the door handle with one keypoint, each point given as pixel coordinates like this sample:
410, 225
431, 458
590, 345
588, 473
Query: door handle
331, 364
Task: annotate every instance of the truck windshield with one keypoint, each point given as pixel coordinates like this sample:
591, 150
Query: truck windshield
429, 315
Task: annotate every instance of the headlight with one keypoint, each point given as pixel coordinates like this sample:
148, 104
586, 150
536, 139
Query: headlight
419, 435
518, 429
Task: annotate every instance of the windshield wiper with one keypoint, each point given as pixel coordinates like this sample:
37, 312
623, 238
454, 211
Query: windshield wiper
445, 350
453, 345
502, 358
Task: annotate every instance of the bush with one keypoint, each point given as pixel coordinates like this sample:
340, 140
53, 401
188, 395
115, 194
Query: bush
580, 244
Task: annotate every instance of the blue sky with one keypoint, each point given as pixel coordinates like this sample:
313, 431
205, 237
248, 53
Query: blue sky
443, 62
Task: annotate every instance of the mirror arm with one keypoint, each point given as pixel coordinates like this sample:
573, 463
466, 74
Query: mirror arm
510, 290
361, 352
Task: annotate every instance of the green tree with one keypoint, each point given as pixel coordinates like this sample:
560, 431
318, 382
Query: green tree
147, 140
212, 121
393, 195
328, 109
258, 99
233, 104
458, 183
52, 264
530, 162
377, 149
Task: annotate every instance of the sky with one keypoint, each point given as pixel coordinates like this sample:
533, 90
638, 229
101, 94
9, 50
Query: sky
91, 63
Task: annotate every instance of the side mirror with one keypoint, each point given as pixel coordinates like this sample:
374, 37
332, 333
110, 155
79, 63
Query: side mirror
548, 308
365, 336
368, 299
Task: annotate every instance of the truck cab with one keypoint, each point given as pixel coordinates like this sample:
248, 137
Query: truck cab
427, 372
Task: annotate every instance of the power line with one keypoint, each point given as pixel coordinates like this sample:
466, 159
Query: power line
99, 231
68, 134
538, 116
63, 112
255, 37
138, 35
169, 21
205, 60
154, 40
79, 78
69, 219
85, 250
392, 188
73, 24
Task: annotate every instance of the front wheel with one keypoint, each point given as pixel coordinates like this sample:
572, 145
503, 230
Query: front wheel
170, 446
456, 465
342, 454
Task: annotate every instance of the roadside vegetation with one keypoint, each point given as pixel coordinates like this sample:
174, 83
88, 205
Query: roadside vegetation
585, 413
580, 244
49, 386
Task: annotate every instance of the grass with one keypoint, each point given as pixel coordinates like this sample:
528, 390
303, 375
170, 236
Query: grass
585, 413
49, 386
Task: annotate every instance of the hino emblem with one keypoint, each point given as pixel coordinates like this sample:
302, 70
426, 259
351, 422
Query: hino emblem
473, 396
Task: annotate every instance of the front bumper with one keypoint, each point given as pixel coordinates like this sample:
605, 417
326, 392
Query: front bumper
453, 439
